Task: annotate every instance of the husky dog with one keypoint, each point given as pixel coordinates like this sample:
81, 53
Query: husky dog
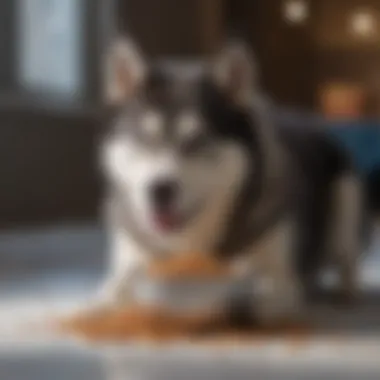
194, 164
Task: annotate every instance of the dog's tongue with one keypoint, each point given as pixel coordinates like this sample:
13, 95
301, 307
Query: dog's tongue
166, 220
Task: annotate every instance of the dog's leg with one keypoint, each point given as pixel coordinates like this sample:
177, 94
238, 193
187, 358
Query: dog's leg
276, 292
115, 291
279, 297
347, 217
127, 259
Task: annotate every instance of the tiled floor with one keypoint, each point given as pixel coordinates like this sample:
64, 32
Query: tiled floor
27, 297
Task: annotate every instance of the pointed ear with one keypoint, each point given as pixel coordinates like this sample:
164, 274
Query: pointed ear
234, 70
125, 71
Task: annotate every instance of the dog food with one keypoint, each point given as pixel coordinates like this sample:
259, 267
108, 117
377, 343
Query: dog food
138, 323
189, 266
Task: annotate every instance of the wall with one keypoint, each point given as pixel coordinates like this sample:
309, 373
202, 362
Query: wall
47, 148
343, 56
47, 166
172, 27
284, 52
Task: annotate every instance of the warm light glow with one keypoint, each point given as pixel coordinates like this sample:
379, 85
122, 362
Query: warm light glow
363, 23
296, 11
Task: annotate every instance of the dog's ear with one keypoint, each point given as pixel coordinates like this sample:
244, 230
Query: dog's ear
125, 71
234, 70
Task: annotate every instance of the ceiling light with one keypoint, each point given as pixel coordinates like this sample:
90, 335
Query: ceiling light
363, 23
296, 11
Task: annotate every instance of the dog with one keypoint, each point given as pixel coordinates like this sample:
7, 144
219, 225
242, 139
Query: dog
194, 163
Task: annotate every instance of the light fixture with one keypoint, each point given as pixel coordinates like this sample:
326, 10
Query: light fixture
296, 11
363, 23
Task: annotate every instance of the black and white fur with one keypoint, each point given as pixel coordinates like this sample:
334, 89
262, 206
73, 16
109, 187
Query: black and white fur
276, 203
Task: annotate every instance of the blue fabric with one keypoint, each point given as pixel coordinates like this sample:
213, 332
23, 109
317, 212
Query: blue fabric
362, 139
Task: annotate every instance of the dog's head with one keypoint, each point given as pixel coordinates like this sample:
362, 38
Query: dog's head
182, 133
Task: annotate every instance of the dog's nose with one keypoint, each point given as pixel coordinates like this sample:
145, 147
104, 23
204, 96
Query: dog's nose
164, 192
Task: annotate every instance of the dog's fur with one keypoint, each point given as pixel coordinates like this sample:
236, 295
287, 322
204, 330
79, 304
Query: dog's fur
273, 202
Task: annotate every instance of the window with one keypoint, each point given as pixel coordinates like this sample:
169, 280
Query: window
52, 48
50, 42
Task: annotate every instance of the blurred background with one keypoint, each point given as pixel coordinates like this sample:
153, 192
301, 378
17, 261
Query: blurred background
319, 65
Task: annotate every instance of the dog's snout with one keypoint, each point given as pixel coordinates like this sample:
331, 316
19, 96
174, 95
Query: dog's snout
164, 192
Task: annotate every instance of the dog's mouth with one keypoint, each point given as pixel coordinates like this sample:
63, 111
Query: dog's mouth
171, 219
167, 220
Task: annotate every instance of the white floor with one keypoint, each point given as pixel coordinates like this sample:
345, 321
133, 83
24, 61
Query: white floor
57, 280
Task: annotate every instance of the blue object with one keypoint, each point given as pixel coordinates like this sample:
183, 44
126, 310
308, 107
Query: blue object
362, 139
